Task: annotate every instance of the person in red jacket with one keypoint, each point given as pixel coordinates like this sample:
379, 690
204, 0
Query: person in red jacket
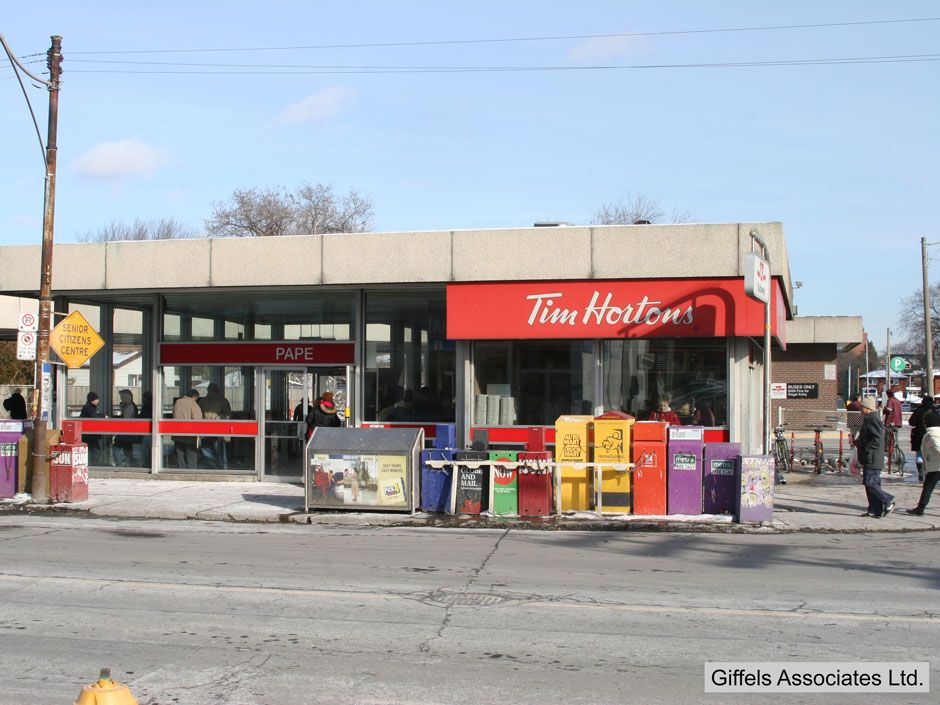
666, 414
892, 410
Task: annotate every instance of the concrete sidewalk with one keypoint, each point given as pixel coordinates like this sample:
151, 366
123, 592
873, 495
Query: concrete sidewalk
827, 503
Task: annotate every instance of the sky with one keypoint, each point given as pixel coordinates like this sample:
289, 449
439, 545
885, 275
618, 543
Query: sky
844, 155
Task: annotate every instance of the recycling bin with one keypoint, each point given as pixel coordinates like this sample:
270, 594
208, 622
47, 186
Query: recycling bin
649, 471
68, 478
10, 432
718, 477
504, 483
684, 469
754, 489
470, 492
612, 444
573, 445
535, 484
436, 482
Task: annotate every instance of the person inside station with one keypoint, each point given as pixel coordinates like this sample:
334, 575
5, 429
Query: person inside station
665, 413
323, 414
186, 408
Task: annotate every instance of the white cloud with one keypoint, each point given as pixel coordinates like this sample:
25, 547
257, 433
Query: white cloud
114, 161
318, 106
602, 49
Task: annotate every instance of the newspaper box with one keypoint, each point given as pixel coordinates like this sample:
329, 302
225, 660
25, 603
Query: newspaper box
68, 476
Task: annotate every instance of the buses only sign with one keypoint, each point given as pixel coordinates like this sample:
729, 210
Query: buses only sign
74, 340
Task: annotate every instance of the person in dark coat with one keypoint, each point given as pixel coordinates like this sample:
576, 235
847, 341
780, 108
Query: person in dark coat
97, 444
917, 431
16, 405
871, 456
930, 448
323, 414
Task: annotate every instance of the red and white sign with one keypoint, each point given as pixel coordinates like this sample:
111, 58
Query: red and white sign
651, 308
757, 277
778, 390
286, 353
28, 322
26, 345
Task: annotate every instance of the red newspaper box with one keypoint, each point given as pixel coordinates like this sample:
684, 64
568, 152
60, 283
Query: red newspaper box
535, 484
68, 478
71, 432
649, 471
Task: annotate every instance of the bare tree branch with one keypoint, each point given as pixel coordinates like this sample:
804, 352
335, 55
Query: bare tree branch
119, 231
636, 207
911, 323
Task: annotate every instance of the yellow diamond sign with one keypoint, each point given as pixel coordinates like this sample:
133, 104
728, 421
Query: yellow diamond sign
74, 340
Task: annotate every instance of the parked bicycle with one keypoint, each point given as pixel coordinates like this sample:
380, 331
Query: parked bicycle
781, 450
896, 458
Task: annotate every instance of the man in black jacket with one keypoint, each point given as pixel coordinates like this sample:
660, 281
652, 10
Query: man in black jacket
16, 405
871, 456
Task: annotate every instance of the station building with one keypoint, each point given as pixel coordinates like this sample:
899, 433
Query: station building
496, 329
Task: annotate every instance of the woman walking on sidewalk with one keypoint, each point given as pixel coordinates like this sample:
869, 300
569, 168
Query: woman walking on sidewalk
930, 450
871, 456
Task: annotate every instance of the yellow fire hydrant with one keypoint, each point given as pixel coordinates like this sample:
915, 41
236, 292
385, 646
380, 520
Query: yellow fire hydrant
105, 691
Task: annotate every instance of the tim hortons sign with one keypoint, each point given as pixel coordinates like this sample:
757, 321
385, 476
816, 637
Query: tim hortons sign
604, 309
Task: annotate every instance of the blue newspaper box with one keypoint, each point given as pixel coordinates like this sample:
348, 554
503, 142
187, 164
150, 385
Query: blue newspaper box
435, 482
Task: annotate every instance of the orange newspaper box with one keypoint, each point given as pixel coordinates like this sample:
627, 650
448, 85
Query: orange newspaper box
573, 445
649, 467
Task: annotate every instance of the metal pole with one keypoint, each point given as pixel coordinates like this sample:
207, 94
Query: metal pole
928, 324
766, 406
887, 365
40, 484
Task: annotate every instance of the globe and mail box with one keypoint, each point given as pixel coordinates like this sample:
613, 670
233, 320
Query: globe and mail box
684, 479
68, 480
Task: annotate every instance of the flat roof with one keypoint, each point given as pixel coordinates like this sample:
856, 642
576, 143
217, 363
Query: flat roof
506, 254
844, 331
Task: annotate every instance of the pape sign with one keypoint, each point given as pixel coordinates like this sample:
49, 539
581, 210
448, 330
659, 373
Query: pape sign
239, 353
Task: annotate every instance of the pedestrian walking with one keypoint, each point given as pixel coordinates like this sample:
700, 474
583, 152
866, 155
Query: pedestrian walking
930, 449
871, 456
916, 422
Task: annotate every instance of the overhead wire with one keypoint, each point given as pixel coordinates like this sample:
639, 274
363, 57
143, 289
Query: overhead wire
506, 40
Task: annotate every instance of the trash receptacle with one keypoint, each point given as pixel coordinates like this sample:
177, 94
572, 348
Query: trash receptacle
649, 472
10, 432
612, 444
718, 477
504, 489
535, 484
573, 445
68, 481
684, 479
754, 494
471, 489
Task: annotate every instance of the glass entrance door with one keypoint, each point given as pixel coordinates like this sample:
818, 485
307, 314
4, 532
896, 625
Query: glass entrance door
289, 395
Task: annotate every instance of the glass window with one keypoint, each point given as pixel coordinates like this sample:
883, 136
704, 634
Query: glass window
127, 356
531, 382
689, 374
409, 363
79, 380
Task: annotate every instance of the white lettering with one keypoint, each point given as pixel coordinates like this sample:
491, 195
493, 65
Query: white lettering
538, 304
643, 312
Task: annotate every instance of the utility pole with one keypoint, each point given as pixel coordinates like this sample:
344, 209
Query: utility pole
40, 485
928, 323
887, 365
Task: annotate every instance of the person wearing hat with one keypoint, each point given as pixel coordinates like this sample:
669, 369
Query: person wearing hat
323, 414
871, 456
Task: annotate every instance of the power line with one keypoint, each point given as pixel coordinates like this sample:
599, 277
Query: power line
506, 40
274, 69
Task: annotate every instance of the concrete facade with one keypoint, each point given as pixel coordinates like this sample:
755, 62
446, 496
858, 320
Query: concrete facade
601, 252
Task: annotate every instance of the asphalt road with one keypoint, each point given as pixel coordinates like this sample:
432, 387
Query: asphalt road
189, 612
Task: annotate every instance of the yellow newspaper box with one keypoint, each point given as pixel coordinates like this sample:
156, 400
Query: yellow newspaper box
612, 433
573, 445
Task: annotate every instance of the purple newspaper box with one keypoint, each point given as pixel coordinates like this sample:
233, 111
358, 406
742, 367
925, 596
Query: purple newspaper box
10, 432
754, 498
718, 473
684, 474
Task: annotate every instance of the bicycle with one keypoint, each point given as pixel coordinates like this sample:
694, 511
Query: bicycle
896, 457
781, 450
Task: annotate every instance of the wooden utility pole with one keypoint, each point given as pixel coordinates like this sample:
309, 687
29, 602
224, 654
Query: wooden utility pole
40, 485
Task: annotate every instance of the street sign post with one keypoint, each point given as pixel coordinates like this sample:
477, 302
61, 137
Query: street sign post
74, 340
